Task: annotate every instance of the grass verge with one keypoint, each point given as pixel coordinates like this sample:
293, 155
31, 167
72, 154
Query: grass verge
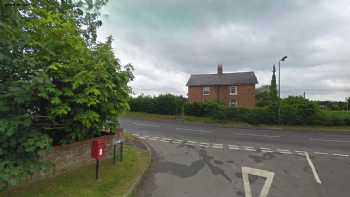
234, 124
114, 180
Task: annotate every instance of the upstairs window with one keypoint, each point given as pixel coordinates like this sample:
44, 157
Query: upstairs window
206, 90
233, 90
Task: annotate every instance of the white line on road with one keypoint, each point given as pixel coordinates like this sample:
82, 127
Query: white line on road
248, 148
317, 178
190, 143
204, 144
196, 130
246, 171
341, 155
320, 153
165, 139
329, 140
177, 141
154, 138
147, 125
219, 146
233, 147
257, 135
266, 150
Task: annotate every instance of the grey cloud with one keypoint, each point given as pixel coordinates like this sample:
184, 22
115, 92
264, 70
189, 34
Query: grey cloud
193, 36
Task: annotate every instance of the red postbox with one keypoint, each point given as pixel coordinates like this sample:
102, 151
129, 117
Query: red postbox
98, 148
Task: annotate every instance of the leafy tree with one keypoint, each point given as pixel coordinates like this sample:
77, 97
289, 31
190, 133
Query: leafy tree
263, 96
57, 84
273, 89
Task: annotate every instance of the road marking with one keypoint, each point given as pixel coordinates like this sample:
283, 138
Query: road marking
196, 130
317, 178
176, 141
257, 135
284, 151
341, 155
147, 125
329, 140
144, 137
257, 172
248, 148
190, 142
233, 147
165, 139
266, 150
300, 152
219, 146
154, 138
321, 153
204, 145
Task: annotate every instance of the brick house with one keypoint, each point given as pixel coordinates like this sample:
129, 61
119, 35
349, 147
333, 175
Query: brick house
233, 89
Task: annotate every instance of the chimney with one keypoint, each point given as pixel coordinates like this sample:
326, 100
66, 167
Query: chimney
220, 69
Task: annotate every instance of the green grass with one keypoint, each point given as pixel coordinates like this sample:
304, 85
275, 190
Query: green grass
235, 124
115, 180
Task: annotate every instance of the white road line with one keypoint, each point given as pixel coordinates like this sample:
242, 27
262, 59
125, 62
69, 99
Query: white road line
317, 178
136, 135
177, 141
300, 152
190, 142
144, 137
147, 125
257, 135
266, 150
286, 152
248, 148
233, 147
282, 150
165, 140
321, 153
329, 140
246, 171
219, 146
341, 155
154, 138
196, 130
204, 145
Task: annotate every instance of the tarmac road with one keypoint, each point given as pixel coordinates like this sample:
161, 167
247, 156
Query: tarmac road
201, 160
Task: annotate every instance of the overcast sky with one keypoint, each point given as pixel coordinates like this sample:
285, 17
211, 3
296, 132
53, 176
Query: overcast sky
167, 40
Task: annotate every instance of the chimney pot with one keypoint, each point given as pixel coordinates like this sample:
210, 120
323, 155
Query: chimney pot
220, 69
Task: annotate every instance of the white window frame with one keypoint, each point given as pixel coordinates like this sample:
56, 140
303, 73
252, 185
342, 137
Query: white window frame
231, 88
206, 90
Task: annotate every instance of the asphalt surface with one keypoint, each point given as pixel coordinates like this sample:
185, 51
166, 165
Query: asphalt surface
201, 160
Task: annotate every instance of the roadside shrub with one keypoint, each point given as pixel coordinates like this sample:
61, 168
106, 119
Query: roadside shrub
207, 109
162, 104
298, 110
334, 118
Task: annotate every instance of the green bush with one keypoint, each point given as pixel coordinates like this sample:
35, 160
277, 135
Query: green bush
162, 104
206, 109
299, 111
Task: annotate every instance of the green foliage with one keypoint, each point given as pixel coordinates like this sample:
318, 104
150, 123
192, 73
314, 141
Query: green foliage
206, 109
298, 110
294, 111
263, 96
162, 104
57, 85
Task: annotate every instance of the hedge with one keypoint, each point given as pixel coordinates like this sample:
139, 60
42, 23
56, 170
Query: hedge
294, 111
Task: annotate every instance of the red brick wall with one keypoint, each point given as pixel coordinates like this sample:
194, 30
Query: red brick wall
245, 97
67, 157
